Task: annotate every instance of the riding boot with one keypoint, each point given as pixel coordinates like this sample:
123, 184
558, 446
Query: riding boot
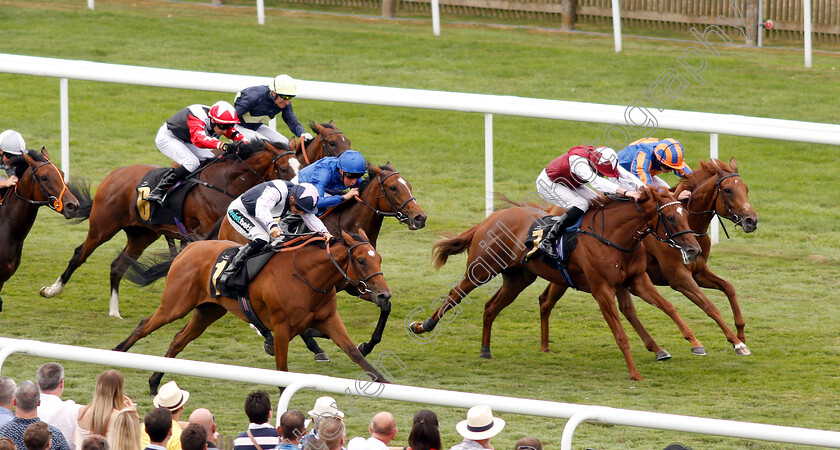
169, 179
239, 259
547, 244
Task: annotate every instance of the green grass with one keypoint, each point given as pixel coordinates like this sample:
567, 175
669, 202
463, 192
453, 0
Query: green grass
786, 273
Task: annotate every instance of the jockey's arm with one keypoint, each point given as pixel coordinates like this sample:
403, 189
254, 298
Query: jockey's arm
11, 181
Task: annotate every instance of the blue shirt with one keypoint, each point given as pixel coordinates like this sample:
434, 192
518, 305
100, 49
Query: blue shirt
324, 175
255, 107
639, 160
287, 446
16, 427
5, 416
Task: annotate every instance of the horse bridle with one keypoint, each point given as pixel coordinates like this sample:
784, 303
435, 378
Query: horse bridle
55, 203
276, 158
669, 236
735, 218
401, 216
361, 283
194, 176
640, 234
324, 143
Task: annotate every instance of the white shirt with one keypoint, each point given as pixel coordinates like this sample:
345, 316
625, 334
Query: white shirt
60, 414
371, 443
583, 171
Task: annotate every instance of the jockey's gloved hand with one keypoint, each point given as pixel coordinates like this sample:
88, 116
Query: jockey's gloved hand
306, 136
231, 147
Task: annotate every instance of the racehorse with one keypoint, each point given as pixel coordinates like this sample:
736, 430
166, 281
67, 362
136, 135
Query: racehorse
384, 193
329, 141
716, 189
292, 292
607, 258
114, 207
41, 183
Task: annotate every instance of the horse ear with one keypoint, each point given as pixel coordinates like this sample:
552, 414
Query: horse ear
374, 169
733, 165
361, 232
313, 126
347, 238
332, 124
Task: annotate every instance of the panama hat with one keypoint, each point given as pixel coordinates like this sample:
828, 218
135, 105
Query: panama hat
171, 397
480, 424
325, 406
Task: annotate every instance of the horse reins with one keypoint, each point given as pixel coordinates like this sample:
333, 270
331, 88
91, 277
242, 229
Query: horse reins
639, 235
193, 177
735, 218
360, 284
401, 216
55, 203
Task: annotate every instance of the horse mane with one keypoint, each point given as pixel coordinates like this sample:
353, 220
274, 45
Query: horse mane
365, 183
706, 170
20, 165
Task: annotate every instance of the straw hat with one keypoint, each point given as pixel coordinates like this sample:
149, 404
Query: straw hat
325, 406
480, 424
170, 396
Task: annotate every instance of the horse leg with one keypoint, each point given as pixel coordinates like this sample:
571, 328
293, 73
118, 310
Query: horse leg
605, 296
334, 327
376, 337
456, 294
94, 239
548, 299
642, 287
308, 336
708, 279
626, 306
138, 240
514, 281
202, 318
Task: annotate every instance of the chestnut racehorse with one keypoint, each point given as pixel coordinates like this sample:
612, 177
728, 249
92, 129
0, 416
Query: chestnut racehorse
292, 292
41, 183
608, 258
329, 141
716, 189
384, 193
114, 207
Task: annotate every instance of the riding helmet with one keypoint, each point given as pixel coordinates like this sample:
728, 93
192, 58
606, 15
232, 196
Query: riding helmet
12, 142
352, 161
223, 112
306, 197
670, 152
283, 85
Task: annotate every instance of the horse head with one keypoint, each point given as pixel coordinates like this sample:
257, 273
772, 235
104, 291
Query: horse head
732, 201
328, 141
269, 160
671, 224
394, 196
365, 268
284, 164
45, 185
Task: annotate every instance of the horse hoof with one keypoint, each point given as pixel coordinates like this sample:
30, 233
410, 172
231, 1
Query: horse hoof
363, 348
268, 347
416, 328
43, 291
485, 352
663, 355
742, 350
322, 357
699, 351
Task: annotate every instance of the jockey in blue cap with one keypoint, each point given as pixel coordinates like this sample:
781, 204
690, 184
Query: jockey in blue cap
648, 157
254, 215
333, 175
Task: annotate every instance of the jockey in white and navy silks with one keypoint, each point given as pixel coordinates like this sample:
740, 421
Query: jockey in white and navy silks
256, 105
563, 181
254, 215
648, 157
333, 175
12, 145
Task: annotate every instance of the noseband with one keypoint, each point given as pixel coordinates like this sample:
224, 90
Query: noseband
401, 216
55, 203
669, 236
361, 283
735, 218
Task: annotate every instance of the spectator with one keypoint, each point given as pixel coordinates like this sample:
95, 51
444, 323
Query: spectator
37, 436
7, 444
324, 407
478, 429
52, 410
26, 402
125, 431
96, 442
291, 430
383, 429
528, 443
108, 399
194, 437
425, 432
256, 105
7, 396
260, 433
205, 418
331, 436
158, 426
173, 398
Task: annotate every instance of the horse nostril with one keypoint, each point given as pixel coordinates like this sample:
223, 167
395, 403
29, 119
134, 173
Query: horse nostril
383, 298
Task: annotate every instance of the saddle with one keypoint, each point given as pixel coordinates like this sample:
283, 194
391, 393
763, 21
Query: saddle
171, 212
563, 246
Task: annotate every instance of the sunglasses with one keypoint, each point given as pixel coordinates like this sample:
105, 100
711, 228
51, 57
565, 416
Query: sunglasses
286, 97
353, 176
224, 126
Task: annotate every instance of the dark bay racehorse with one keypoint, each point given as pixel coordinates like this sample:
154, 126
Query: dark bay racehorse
608, 258
329, 141
39, 184
716, 189
293, 292
385, 193
114, 207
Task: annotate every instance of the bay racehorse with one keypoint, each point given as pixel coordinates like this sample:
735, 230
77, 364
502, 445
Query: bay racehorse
114, 207
39, 183
716, 189
329, 141
607, 258
383, 193
292, 292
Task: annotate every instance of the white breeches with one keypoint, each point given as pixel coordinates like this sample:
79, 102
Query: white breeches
263, 132
187, 155
561, 195
244, 223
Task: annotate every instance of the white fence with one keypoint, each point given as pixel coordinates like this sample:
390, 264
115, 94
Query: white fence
626, 120
292, 382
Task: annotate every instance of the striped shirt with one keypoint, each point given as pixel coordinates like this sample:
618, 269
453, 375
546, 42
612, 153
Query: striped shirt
14, 430
264, 434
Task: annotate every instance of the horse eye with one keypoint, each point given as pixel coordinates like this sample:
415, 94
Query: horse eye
332, 143
727, 190
361, 261
44, 178
671, 218
393, 188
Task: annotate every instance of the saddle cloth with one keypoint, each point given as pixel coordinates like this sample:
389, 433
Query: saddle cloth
563, 246
171, 212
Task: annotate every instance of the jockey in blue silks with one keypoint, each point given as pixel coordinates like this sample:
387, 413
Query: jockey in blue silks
332, 176
648, 157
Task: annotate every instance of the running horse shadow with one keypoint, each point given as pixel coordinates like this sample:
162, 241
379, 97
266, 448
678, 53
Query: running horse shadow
39, 183
608, 258
217, 183
292, 292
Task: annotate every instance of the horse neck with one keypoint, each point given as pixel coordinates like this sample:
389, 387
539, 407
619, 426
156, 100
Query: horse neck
322, 272
622, 223
703, 198
357, 216
19, 215
239, 176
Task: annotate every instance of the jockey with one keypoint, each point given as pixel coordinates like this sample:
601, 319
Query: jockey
649, 157
187, 138
333, 175
254, 213
257, 105
562, 182
11, 144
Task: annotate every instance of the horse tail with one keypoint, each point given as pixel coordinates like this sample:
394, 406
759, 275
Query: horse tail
146, 273
445, 248
80, 188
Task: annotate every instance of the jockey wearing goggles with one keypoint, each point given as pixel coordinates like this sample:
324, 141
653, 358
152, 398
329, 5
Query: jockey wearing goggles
562, 183
12, 145
189, 135
648, 157
257, 105
333, 175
